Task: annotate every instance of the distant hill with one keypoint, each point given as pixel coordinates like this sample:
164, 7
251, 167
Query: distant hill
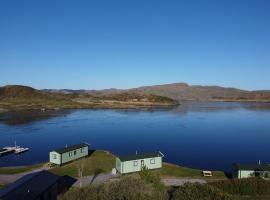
185, 92
14, 97
23, 97
12, 91
69, 91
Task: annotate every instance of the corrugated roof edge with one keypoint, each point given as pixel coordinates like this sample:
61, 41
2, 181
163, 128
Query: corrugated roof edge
140, 156
71, 148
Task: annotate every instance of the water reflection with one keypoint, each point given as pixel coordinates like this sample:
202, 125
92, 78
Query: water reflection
30, 116
201, 135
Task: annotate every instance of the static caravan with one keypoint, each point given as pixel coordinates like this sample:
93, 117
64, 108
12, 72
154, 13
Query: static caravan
68, 153
135, 163
250, 170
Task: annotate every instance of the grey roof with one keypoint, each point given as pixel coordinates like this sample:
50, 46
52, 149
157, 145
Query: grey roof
140, 156
29, 186
71, 148
255, 167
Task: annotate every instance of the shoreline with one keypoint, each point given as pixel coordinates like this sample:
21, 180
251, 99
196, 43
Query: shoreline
121, 106
107, 161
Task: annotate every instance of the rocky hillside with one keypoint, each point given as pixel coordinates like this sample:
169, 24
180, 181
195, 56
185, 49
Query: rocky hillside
15, 97
183, 92
15, 91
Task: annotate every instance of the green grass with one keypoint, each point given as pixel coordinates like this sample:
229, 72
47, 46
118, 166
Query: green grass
16, 170
99, 161
251, 197
1, 185
171, 170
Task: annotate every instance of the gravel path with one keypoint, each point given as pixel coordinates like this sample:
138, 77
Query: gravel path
180, 181
100, 178
10, 178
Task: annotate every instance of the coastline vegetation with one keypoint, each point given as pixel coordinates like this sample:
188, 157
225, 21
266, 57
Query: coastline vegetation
148, 186
102, 161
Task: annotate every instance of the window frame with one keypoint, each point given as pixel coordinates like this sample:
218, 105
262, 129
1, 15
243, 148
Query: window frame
152, 161
135, 163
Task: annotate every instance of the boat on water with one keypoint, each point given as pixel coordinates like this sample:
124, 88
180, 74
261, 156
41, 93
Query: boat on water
15, 149
6, 150
19, 150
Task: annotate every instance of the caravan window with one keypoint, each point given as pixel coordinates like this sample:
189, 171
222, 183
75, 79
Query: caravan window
54, 156
152, 161
135, 163
70, 154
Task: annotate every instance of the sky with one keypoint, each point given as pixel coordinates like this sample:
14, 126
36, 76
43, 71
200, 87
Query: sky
84, 44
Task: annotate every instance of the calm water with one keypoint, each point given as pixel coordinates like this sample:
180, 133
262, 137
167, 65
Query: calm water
200, 135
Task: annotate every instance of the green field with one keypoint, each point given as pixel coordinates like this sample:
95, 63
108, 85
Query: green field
172, 170
98, 162
101, 161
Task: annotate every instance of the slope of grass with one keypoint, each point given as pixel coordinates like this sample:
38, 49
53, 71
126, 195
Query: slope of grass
101, 161
98, 162
171, 170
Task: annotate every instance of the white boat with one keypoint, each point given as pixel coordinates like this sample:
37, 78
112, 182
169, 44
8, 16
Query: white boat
19, 150
6, 150
16, 149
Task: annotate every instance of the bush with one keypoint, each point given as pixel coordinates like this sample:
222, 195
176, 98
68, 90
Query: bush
250, 186
199, 192
128, 188
151, 178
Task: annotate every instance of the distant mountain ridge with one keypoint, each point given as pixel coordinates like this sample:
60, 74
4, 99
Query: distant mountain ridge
185, 92
81, 91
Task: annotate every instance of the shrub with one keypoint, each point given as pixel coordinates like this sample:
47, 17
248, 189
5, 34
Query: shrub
199, 192
151, 178
128, 188
250, 186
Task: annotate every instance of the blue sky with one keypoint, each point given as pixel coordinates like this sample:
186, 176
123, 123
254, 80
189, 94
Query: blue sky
130, 43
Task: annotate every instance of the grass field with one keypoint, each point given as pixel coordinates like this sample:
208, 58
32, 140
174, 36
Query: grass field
16, 170
98, 162
101, 161
171, 170
1, 185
